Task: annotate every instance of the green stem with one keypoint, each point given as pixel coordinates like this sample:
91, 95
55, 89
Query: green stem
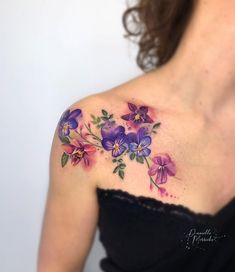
146, 160
92, 134
87, 141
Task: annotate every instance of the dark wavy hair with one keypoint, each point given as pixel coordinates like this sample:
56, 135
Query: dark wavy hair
157, 27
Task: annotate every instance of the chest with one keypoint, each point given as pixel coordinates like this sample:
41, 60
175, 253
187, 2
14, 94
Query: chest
205, 164
205, 155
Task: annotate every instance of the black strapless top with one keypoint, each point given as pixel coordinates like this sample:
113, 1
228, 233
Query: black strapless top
142, 234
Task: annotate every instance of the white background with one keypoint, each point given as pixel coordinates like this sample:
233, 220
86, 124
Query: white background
52, 53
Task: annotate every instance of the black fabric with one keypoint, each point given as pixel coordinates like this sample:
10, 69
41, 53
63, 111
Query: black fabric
142, 234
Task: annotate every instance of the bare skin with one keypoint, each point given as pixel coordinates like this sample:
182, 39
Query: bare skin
194, 98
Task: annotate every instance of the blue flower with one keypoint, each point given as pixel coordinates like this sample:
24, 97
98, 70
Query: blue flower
68, 121
138, 143
114, 139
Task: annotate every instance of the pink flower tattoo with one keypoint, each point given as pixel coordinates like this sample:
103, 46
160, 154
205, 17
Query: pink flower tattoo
162, 167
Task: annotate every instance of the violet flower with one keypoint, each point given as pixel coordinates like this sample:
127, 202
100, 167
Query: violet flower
162, 167
68, 121
137, 115
138, 142
114, 139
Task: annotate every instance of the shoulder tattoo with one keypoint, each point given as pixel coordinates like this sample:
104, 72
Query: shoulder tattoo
131, 140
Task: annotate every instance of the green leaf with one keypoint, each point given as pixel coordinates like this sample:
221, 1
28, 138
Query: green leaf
121, 174
110, 116
104, 118
98, 119
122, 166
157, 125
114, 160
94, 122
132, 156
140, 159
104, 112
116, 169
64, 140
153, 131
93, 117
100, 125
64, 159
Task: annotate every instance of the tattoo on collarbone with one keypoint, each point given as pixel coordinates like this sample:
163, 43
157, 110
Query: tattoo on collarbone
130, 141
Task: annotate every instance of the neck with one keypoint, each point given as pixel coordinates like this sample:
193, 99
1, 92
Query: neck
203, 67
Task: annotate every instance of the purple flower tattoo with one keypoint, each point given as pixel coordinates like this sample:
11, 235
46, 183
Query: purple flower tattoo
138, 115
139, 142
114, 140
80, 142
68, 121
162, 167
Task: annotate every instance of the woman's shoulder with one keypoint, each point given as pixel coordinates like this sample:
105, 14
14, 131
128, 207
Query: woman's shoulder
101, 130
139, 88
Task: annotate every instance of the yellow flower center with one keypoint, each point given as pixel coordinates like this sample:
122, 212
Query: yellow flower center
139, 148
65, 127
116, 147
79, 153
137, 116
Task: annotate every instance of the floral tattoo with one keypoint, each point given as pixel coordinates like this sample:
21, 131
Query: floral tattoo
80, 143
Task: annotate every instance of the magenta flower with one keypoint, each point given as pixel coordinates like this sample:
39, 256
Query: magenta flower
162, 167
137, 115
79, 152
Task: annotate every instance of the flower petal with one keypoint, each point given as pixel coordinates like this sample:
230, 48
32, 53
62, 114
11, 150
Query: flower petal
68, 148
161, 176
133, 147
165, 158
171, 169
143, 110
131, 137
141, 133
75, 113
107, 129
86, 161
121, 139
76, 143
89, 149
157, 160
153, 170
146, 141
132, 107
148, 119
107, 144
116, 153
64, 131
60, 132
126, 117
75, 160
144, 153
118, 130
113, 132
72, 123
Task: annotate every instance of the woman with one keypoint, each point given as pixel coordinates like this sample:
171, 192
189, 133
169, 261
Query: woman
151, 161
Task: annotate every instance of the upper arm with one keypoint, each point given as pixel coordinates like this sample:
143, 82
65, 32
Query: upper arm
71, 211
